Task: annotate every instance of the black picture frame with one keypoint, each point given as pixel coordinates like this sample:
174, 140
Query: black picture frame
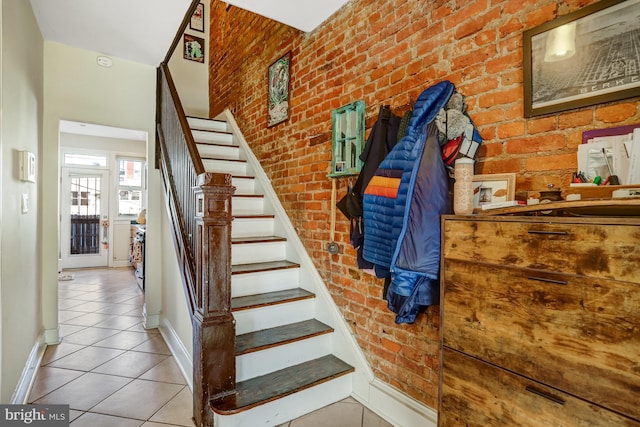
197, 19
278, 88
194, 48
602, 69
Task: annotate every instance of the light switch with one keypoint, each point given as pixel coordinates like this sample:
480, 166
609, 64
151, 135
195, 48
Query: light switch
25, 203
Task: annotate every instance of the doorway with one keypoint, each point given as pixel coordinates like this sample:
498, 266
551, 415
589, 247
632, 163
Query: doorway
84, 218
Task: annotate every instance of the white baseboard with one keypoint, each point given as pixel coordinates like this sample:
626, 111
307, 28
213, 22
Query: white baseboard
397, 408
178, 350
23, 388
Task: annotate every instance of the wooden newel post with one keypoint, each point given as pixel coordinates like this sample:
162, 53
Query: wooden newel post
214, 371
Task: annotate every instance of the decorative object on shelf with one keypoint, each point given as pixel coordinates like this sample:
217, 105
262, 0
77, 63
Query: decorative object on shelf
463, 187
278, 90
583, 58
197, 19
493, 188
347, 124
194, 48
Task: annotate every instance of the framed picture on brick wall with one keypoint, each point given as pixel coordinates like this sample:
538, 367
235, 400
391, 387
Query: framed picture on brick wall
587, 57
278, 90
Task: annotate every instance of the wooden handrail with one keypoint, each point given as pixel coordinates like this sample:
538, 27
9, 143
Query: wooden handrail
183, 26
199, 206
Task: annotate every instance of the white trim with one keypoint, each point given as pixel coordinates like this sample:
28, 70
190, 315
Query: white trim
179, 351
52, 336
23, 388
151, 321
397, 408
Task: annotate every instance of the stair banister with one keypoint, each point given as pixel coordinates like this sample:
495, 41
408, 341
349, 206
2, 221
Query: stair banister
199, 206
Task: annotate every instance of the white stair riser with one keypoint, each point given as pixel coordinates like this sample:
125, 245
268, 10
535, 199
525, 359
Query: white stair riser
247, 253
223, 166
247, 205
271, 316
219, 151
293, 406
247, 227
206, 124
262, 362
264, 281
215, 137
244, 185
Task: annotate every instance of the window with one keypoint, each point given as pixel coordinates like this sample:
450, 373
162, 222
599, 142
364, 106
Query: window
130, 186
85, 160
348, 139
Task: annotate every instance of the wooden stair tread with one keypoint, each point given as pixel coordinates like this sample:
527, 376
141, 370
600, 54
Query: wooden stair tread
250, 196
269, 298
272, 337
222, 159
216, 144
257, 239
267, 388
262, 266
248, 216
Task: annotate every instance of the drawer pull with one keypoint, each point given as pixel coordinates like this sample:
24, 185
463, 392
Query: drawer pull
544, 279
546, 395
558, 233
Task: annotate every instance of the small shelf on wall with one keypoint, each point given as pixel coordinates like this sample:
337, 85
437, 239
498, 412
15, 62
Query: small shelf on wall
347, 139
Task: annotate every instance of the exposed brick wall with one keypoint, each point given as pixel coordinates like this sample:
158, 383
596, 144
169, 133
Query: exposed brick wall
388, 52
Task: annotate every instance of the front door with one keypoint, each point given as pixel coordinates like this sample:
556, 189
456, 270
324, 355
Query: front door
84, 218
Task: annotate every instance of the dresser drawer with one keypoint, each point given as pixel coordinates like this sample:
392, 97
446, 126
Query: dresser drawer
611, 252
477, 394
580, 335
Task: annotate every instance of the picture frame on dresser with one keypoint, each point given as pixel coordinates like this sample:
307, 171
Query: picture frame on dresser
581, 58
493, 188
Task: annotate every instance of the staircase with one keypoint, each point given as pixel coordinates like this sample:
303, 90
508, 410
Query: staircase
286, 337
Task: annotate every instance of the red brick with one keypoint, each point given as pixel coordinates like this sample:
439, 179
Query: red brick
548, 163
616, 113
545, 124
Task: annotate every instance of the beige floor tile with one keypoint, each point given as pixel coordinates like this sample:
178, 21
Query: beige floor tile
65, 330
119, 309
89, 419
140, 328
167, 371
85, 392
89, 319
86, 359
131, 364
152, 424
120, 322
154, 345
49, 379
124, 340
55, 352
73, 414
90, 335
371, 419
67, 304
67, 315
139, 399
339, 414
90, 307
178, 411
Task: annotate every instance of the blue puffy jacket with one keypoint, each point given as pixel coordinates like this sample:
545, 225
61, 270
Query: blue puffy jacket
402, 207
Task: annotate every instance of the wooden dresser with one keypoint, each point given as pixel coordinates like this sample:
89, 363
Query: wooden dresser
540, 321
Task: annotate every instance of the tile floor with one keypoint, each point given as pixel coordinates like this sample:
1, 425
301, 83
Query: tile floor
114, 373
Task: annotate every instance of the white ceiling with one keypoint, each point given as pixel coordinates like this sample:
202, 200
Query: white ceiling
142, 30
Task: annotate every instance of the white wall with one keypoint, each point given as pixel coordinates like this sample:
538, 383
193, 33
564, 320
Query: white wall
192, 78
20, 233
77, 89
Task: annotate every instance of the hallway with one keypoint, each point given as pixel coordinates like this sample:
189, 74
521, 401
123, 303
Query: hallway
114, 373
